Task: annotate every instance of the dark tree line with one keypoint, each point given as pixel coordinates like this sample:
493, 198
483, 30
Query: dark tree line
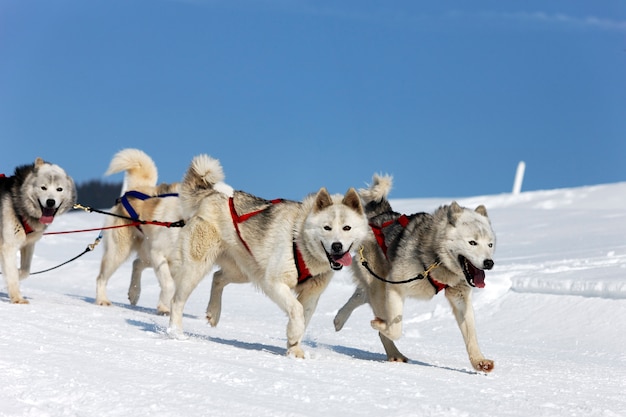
98, 194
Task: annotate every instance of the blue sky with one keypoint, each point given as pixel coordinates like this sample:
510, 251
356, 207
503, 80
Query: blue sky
294, 95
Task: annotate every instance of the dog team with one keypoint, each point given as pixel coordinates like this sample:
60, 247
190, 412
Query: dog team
288, 249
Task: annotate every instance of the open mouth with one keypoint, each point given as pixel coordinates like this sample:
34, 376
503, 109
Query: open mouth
338, 260
474, 276
47, 214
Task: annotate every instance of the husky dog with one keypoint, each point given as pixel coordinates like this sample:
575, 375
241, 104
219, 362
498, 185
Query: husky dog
449, 249
288, 249
29, 201
144, 200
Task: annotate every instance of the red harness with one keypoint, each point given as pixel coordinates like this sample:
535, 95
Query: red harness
378, 230
403, 220
26, 226
303, 271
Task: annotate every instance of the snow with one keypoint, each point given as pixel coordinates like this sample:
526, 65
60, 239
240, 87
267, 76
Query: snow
552, 316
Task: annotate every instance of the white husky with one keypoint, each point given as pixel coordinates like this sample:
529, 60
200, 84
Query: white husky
288, 249
143, 200
29, 201
447, 250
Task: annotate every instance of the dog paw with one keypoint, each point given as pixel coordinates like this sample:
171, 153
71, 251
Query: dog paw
338, 322
295, 352
19, 300
398, 358
212, 319
484, 365
379, 324
162, 310
176, 333
103, 302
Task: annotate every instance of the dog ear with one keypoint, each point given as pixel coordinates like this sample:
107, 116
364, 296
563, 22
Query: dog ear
322, 200
482, 210
352, 200
39, 162
454, 212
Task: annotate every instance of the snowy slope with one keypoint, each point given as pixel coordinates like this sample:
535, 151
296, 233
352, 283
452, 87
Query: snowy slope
553, 317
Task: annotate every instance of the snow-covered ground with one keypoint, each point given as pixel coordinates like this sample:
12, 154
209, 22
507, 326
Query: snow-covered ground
552, 316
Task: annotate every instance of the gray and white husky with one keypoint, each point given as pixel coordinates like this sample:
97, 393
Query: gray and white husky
448, 250
29, 201
288, 249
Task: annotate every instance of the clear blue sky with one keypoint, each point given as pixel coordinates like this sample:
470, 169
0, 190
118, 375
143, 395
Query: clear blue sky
295, 95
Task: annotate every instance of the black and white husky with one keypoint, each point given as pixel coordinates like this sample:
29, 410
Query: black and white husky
448, 250
29, 201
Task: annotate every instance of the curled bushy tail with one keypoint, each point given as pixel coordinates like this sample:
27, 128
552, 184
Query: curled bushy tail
378, 190
375, 196
203, 173
204, 176
140, 169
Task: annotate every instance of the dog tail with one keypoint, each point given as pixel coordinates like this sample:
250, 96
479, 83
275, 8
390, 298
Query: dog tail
204, 173
378, 190
140, 169
375, 196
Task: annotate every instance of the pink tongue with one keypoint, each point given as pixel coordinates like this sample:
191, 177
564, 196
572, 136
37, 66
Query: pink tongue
479, 278
345, 260
46, 219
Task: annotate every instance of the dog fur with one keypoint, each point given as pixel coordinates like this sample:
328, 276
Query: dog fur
151, 243
455, 242
324, 228
29, 202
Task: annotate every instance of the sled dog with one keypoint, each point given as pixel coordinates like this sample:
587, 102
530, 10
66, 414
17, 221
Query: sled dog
29, 201
288, 249
448, 250
143, 199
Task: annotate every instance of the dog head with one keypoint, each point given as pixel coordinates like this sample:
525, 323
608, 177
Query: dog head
468, 243
335, 226
46, 190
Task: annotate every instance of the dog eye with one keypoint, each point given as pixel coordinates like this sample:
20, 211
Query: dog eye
43, 187
59, 189
328, 228
491, 245
347, 228
473, 242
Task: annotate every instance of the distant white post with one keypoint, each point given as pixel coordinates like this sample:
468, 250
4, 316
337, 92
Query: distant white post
519, 178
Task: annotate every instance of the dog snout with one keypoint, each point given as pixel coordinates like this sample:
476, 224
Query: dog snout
488, 263
50, 203
337, 247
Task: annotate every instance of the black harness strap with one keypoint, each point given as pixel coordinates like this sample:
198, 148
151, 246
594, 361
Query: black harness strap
403, 220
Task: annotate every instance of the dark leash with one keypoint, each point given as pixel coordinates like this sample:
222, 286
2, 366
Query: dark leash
422, 275
136, 221
89, 248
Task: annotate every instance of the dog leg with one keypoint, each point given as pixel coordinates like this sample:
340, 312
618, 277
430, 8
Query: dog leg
8, 261
166, 282
199, 245
309, 295
461, 303
134, 290
117, 248
229, 274
393, 354
282, 295
390, 324
26, 258
357, 299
